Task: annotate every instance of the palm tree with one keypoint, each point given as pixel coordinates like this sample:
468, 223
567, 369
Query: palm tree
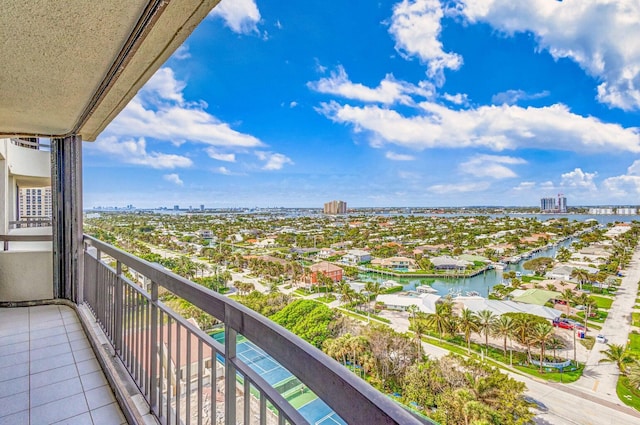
555, 343
347, 293
616, 354
485, 320
581, 275
634, 375
522, 332
467, 324
567, 296
542, 332
439, 321
504, 327
372, 288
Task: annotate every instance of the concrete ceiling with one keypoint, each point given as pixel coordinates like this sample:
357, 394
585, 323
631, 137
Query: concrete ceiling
69, 67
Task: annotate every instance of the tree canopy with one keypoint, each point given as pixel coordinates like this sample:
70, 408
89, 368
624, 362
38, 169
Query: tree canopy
308, 319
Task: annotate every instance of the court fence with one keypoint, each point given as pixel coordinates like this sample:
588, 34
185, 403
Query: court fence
187, 377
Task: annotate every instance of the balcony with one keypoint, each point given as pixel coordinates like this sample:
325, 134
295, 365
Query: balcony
160, 363
74, 292
48, 371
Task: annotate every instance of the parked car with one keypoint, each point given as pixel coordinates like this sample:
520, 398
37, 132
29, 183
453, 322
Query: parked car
567, 324
562, 324
601, 339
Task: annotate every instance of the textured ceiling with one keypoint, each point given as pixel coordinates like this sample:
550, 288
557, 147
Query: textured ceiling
55, 56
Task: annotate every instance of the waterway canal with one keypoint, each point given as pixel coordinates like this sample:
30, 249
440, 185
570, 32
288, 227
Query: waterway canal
481, 283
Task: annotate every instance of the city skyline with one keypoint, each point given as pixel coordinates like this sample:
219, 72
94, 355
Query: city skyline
397, 103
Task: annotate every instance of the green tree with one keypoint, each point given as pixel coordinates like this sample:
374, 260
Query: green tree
504, 328
542, 333
581, 275
563, 254
468, 324
616, 354
485, 320
308, 319
539, 265
440, 319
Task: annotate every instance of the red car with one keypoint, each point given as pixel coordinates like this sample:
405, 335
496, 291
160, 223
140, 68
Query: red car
563, 325
567, 324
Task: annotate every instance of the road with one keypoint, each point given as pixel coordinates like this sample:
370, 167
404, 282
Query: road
600, 378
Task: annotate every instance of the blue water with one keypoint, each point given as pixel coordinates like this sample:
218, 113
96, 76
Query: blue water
481, 283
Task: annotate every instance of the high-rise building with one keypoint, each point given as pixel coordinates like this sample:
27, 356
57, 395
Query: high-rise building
554, 205
35, 202
562, 204
335, 207
548, 205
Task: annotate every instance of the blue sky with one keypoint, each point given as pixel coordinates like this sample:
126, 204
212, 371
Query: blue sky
387, 103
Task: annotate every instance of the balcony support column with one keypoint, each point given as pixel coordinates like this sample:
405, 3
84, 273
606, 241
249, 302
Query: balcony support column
66, 185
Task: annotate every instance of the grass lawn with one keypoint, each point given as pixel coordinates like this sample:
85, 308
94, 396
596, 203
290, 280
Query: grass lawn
496, 354
588, 342
326, 300
564, 377
635, 319
598, 318
635, 343
603, 302
363, 317
626, 394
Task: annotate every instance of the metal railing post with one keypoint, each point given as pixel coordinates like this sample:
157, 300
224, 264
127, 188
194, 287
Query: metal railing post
153, 360
230, 336
118, 309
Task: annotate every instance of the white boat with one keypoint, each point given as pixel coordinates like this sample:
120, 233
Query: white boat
426, 289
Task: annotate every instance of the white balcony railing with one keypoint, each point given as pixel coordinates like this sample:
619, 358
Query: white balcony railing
188, 377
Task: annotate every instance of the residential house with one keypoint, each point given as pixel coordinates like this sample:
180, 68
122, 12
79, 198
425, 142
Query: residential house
426, 303
326, 268
449, 263
356, 256
395, 263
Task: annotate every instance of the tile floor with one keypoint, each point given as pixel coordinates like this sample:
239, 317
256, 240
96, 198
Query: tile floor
48, 371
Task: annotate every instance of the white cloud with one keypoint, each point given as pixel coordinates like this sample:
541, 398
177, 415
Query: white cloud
493, 127
274, 161
415, 26
548, 185
320, 69
182, 52
293, 104
163, 86
443, 189
173, 178
159, 111
389, 91
242, 16
525, 186
624, 185
220, 156
493, 166
399, 156
223, 170
578, 179
456, 99
601, 36
135, 152
511, 97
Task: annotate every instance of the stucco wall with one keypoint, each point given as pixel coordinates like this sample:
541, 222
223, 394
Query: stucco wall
26, 276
